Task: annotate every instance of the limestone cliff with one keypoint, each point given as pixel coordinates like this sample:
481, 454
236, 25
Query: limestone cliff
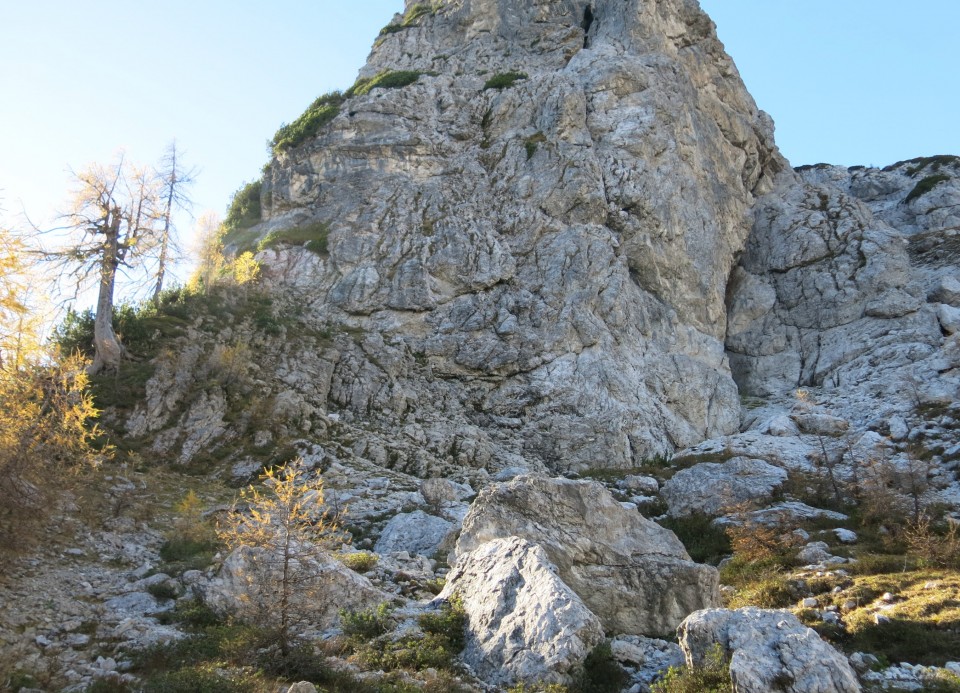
546, 263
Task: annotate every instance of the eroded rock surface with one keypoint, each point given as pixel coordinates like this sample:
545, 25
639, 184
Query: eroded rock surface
632, 573
524, 623
247, 586
531, 257
770, 652
714, 489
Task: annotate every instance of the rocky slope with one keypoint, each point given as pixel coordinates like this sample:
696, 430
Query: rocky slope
559, 240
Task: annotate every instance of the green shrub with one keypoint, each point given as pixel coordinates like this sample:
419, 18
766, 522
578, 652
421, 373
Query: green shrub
188, 553
450, 622
601, 673
388, 79
244, 210
321, 112
712, 677
925, 186
108, 684
416, 652
420, 9
366, 624
313, 237
163, 590
361, 562
192, 614
301, 663
504, 80
915, 166
704, 541
532, 143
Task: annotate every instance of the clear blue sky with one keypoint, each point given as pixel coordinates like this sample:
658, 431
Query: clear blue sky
847, 81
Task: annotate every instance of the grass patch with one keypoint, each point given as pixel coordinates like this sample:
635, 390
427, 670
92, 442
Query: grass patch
533, 143
388, 79
504, 80
411, 17
924, 186
313, 237
916, 165
321, 112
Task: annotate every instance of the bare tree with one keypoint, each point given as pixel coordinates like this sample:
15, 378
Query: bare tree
174, 181
113, 225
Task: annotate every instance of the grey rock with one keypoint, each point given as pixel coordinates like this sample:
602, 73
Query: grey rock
819, 423
647, 658
246, 586
635, 575
949, 317
947, 291
302, 687
535, 247
792, 513
642, 485
770, 651
713, 489
845, 536
416, 533
524, 623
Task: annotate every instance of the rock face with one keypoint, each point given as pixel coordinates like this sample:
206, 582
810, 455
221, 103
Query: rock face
416, 533
770, 652
713, 489
632, 573
546, 285
524, 623
843, 283
247, 585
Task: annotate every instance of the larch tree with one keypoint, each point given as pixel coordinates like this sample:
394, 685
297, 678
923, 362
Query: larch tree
285, 532
173, 180
114, 225
45, 408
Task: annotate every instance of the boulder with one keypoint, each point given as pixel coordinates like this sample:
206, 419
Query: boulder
949, 318
947, 291
713, 489
247, 586
524, 623
634, 575
820, 423
770, 651
416, 533
642, 485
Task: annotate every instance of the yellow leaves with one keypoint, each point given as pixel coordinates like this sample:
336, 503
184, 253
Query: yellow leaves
290, 508
45, 433
245, 269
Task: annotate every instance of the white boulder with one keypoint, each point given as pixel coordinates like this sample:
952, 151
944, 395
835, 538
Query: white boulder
524, 623
770, 652
634, 575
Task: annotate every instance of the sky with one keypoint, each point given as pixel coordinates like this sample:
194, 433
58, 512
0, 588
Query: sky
847, 82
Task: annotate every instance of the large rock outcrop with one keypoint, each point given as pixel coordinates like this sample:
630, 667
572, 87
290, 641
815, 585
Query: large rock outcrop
840, 287
632, 573
770, 652
545, 264
524, 623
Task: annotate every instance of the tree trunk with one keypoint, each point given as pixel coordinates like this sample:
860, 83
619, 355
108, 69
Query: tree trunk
107, 348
